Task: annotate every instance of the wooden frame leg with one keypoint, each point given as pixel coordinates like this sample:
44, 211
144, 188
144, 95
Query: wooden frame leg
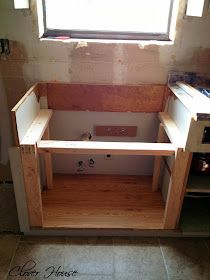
177, 187
158, 160
30, 163
48, 163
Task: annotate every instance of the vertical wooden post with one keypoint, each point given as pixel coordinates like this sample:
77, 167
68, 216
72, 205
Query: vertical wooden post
158, 160
177, 187
30, 164
48, 163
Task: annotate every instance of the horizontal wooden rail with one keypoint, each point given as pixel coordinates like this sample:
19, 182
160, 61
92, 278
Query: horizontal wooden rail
37, 128
115, 148
171, 130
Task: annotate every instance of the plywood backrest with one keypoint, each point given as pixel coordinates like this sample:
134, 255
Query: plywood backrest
24, 113
104, 98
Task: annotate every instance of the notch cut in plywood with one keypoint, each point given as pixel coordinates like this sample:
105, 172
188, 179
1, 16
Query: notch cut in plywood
115, 148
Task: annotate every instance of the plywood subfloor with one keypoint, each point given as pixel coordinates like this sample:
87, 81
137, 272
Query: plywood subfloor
102, 202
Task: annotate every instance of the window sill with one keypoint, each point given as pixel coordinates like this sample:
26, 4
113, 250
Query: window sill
84, 42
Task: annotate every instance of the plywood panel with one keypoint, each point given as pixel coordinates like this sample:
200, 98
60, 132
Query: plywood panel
105, 98
180, 116
94, 201
24, 113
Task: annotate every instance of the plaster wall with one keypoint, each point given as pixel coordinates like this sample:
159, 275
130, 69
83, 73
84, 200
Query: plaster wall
71, 125
5, 134
33, 60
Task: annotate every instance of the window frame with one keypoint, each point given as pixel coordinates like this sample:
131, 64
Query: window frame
112, 35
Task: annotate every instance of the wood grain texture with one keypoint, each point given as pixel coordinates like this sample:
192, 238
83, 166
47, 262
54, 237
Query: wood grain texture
177, 187
97, 201
48, 162
31, 175
102, 148
104, 98
158, 160
37, 128
172, 130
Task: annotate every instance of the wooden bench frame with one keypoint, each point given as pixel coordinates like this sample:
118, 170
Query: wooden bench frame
31, 124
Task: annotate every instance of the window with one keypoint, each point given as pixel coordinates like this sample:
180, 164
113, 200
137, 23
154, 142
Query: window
108, 19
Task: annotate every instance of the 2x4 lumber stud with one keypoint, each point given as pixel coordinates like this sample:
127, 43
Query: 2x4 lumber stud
177, 187
31, 175
115, 148
171, 129
158, 160
37, 128
48, 163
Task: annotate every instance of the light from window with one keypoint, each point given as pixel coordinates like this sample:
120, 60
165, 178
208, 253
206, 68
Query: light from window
195, 8
108, 18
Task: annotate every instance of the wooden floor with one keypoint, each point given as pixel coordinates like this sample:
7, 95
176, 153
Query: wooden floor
102, 202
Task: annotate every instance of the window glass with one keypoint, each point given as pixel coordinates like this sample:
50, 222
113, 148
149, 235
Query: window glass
135, 16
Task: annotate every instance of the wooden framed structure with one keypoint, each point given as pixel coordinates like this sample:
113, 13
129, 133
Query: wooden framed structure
174, 147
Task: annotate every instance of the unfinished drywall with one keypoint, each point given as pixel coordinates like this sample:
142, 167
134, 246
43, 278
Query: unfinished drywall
33, 60
5, 135
7, 200
72, 125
